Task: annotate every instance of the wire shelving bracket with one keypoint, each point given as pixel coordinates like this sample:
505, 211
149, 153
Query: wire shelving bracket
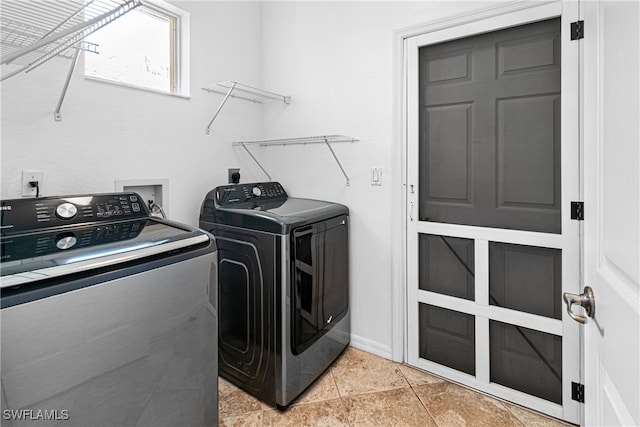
34, 32
322, 139
231, 89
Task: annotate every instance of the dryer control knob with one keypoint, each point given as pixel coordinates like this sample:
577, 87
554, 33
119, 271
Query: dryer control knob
66, 211
66, 242
256, 192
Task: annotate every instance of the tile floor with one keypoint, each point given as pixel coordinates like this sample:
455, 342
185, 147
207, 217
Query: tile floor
361, 389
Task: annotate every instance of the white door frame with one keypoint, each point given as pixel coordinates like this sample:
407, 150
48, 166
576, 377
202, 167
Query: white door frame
487, 19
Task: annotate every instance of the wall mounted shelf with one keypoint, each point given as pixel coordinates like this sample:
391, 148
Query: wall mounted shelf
33, 32
322, 139
231, 89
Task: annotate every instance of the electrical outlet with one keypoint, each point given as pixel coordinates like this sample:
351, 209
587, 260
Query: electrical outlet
32, 176
231, 172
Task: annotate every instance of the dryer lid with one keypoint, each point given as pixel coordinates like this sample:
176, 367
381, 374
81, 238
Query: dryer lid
266, 209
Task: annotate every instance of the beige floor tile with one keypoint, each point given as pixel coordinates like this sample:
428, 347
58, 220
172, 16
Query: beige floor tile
324, 388
361, 389
253, 419
399, 407
357, 372
234, 401
328, 413
533, 419
417, 377
452, 405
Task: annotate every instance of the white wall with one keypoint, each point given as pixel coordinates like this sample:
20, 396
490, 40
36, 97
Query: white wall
335, 59
110, 132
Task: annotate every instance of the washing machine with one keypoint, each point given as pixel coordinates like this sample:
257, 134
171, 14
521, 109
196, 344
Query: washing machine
108, 315
283, 275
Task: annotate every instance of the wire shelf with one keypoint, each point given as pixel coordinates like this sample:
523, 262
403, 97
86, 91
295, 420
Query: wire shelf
35, 31
246, 92
321, 139
231, 89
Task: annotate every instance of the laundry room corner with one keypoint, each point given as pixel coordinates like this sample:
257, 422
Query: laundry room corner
338, 69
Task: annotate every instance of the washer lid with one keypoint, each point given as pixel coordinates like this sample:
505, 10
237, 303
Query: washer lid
57, 252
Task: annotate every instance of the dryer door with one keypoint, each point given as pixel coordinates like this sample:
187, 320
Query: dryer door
320, 279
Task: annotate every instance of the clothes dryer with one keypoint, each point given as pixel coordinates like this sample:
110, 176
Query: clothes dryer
283, 287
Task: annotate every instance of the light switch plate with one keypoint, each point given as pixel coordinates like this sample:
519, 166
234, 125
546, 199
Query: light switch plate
376, 176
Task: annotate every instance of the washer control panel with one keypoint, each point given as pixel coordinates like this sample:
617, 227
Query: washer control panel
230, 195
32, 245
23, 215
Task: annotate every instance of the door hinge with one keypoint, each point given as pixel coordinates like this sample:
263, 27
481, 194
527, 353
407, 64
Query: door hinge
577, 30
577, 211
577, 392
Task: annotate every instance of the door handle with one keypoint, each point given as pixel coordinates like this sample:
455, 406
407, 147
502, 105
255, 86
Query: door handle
411, 212
586, 300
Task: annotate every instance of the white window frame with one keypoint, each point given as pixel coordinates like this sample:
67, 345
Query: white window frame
181, 51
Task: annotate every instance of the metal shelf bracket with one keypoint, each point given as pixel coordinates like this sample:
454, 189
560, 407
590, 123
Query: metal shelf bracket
243, 145
323, 139
56, 114
231, 89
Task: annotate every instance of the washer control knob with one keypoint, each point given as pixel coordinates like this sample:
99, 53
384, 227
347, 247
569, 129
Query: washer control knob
66, 210
66, 242
256, 192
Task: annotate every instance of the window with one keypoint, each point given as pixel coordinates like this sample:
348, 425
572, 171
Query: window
145, 48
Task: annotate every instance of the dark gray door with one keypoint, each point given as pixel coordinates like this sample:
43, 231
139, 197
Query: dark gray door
489, 250
490, 129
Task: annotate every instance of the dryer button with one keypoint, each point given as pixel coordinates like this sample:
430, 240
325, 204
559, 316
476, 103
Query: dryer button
66, 211
66, 242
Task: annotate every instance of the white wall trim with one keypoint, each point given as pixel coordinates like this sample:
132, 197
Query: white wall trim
370, 346
475, 16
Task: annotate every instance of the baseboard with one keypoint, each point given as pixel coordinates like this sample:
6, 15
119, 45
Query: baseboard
371, 346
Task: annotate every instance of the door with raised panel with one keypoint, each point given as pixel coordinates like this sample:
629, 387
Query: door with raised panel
612, 212
489, 247
490, 129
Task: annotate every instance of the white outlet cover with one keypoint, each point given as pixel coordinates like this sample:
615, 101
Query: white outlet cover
28, 176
